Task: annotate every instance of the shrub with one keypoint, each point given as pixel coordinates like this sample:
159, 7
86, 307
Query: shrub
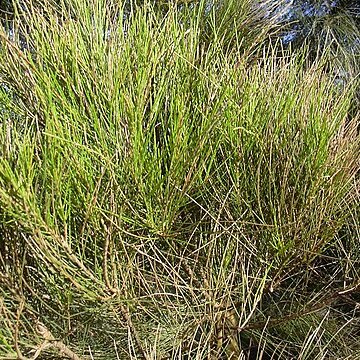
164, 195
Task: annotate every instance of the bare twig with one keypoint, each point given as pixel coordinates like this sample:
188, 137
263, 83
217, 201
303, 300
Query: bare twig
50, 341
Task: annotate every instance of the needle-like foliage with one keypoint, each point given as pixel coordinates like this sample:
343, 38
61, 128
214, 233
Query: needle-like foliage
172, 187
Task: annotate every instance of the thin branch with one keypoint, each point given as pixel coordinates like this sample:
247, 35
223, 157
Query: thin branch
311, 308
51, 341
126, 314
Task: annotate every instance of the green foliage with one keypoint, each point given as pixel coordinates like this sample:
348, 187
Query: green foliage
164, 194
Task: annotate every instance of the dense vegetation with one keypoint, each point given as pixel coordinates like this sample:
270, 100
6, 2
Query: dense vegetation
175, 184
